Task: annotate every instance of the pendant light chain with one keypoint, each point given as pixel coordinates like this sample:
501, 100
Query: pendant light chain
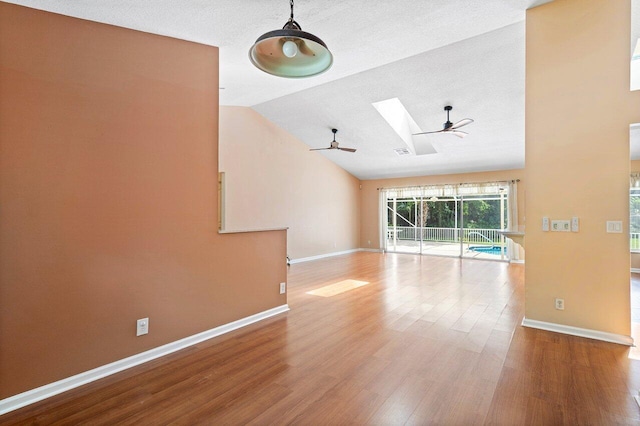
291, 23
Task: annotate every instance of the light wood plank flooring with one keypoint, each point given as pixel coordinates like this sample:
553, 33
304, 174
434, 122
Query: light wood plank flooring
429, 340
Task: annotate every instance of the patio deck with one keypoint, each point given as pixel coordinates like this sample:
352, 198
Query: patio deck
439, 249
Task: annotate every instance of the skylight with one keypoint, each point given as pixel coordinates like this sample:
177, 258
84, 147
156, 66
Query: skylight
397, 116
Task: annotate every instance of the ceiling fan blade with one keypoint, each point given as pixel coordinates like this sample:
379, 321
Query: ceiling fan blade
458, 133
426, 133
347, 149
461, 123
319, 149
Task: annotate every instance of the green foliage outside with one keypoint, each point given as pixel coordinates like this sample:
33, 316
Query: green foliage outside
478, 214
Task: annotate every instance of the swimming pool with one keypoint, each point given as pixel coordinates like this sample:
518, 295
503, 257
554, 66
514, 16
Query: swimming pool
489, 249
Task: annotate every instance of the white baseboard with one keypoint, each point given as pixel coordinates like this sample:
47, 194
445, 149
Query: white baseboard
580, 332
635, 270
322, 256
55, 388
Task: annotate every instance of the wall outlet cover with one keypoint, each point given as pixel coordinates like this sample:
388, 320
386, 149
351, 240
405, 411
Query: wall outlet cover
142, 326
575, 224
614, 226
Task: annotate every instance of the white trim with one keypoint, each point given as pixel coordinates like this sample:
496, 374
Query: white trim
519, 261
322, 256
240, 231
635, 270
580, 332
38, 394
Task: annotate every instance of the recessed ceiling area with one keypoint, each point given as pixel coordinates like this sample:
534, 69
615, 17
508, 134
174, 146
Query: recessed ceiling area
426, 54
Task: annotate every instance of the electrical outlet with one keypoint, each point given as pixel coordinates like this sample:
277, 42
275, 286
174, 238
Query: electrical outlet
142, 326
283, 288
560, 304
545, 224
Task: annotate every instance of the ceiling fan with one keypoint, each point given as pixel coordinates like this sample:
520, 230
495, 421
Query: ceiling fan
450, 127
334, 144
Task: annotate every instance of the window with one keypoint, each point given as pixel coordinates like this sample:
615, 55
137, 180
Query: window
634, 219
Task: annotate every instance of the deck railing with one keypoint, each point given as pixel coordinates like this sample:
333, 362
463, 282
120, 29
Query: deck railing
445, 235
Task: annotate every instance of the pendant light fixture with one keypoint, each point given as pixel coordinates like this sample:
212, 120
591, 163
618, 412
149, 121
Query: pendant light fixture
290, 52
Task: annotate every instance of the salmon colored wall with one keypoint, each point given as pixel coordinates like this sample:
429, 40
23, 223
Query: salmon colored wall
108, 199
578, 112
273, 180
369, 225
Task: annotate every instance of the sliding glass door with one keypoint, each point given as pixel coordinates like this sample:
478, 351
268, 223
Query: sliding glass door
402, 225
440, 227
439, 220
483, 216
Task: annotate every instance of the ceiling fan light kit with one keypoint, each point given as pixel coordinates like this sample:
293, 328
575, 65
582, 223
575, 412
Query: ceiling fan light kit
290, 52
449, 127
334, 144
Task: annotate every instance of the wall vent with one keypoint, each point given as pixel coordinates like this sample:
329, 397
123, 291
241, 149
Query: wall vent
402, 151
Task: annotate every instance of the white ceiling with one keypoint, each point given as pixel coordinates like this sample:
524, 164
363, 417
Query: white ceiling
469, 54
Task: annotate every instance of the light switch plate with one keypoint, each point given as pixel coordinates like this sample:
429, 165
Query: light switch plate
545, 223
561, 225
575, 224
614, 226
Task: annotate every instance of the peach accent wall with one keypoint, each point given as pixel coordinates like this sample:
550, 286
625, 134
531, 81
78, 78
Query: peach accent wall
578, 111
370, 226
108, 199
273, 180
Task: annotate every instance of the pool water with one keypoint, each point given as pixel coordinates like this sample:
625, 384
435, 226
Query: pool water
489, 249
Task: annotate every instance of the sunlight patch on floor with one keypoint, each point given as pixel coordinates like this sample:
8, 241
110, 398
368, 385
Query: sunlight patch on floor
337, 288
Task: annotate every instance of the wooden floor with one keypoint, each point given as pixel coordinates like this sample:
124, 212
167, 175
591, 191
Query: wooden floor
429, 340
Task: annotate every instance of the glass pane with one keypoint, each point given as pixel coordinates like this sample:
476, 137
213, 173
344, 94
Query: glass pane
483, 217
634, 219
402, 234
439, 224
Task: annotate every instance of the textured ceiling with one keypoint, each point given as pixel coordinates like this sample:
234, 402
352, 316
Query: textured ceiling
481, 77
469, 54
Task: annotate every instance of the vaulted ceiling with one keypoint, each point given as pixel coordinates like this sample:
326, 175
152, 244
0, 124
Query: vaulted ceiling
427, 54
